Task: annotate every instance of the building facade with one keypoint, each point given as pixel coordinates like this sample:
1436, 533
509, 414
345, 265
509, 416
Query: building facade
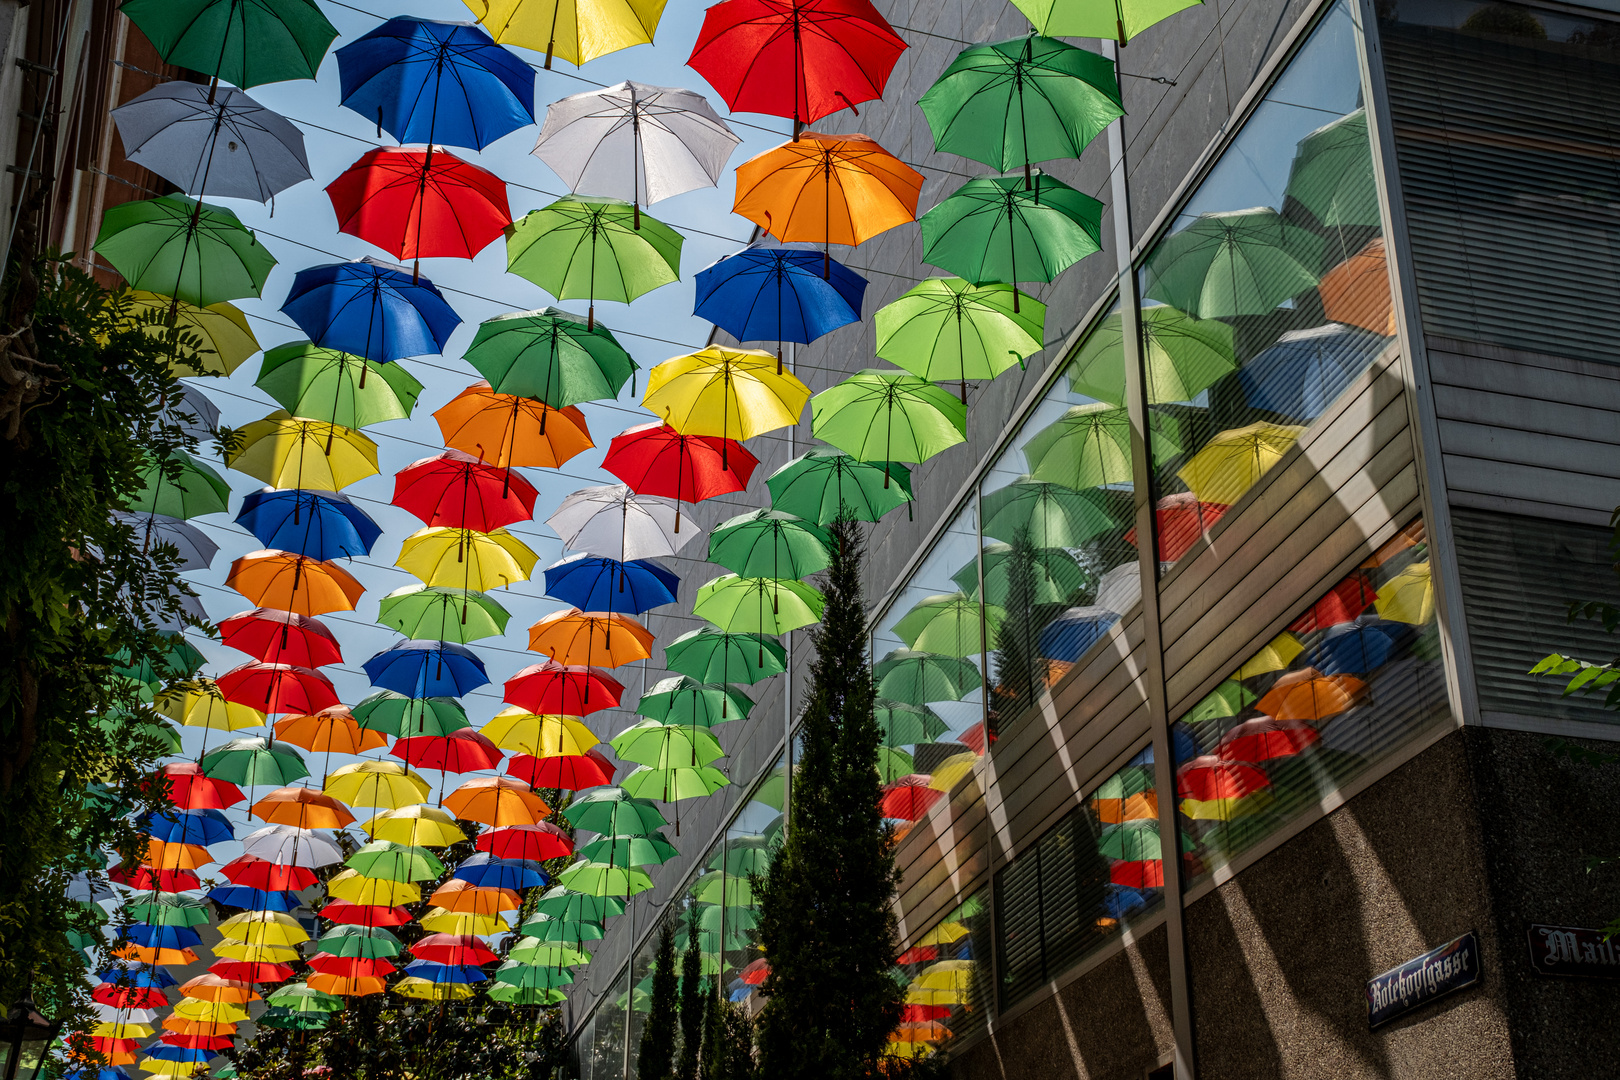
1258, 554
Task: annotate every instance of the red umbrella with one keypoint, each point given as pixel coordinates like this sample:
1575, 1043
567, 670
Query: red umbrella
1263, 739
973, 738
458, 490
1181, 521
351, 967
278, 688
1142, 874
107, 1048
281, 637
189, 789
420, 203
146, 879
655, 459
536, 842
908, 798
802, 59
130, 997
458, 752
1209, 778
919, 954
453, 949
260, 873
1343, 603
341, 911
198, 1042
571, 690
921, 1014
251, 971
755, 972
575, 772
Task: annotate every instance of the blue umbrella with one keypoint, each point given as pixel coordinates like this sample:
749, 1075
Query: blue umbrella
1186, 748
1304, 372
484, 872
161, 937
427, 669
1068, 636
436, 82
164, 1052
204, 827
445, 973
1119, 901
141, 975
1356, 648
596, 583
317, 524
105, 1072
372, 309
778, 294
250, 899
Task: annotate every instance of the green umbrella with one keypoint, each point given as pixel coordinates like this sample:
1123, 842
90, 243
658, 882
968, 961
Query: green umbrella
948, 624
710, 655
666, 746
1014, 102
178, 660
391, 861
611, 811
583, 247
393, 713
1050, 515
758, 605
1332, 174
195, 490
946, 330
437, 613
734, 892
600, 879
518, 975
242, 42
1121, 20
508, 994
628, 851
1131, 780
1057, 576
299, 998
710, 916
167, 909
674, 783
892, 764
359, 942
1135, 841
546, 928
1228, 699
550, 356
1182, 355
815, 485
770, 543
994, 228
710, 944
743, 856
549, 954
876, 415
560, 903
324, 384
1242, 262
179, 247
683, 700
1090, 446
906, 725
164, 737
915, 678
276, 1017
253, 761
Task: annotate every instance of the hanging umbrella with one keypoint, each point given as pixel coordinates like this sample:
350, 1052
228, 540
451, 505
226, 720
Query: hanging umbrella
253, 761
758, 605
906, 725
372, 309
1234, 461
216, 142
427, 669
556, 688
800, 59
255, 872
1004, 228
438, 613
662, 140
575, 772
1356, 291
498, 801
276, 579
1182, 356
1090, 446
377, 783
244, 43
606, 812
309, 381
655, 459
333, 730
1048, 515
394, 862
709, 654
318, 524
674, 784
302, 808
287, 846
1053, 574
574, 637
1240, 262
543, 736
1029, 99
680, 700
507, 430
944, 329
727, 393
1069, 636
588, 248
949, 624
877, 415
917, 678
466, 560
461, 897
416, 826
192, 251
778, 294
908, 798
594, 583
287, 452
1306, 370
204, 827
1265, 739
539, 841
418, 204
615, 522
663, 746
551, 356
278, 688
514, 874
816, 485
576, 30
1228, 699
1332, 174
1276, 655
626, 851
458, 490
1408, 597
281, 637
189, 789
770, 543
180, 487
1122, 20
603, 879
1181, 520
226, 339
402, 716
190, 543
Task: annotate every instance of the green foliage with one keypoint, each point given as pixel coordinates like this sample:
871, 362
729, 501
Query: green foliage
1020, 673
728, 1042
825, 917
656, 1060
692, 997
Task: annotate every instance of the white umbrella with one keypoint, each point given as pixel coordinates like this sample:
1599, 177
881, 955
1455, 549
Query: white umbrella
218, 142
635, 142
112, 1014
1120, 588
287, 845
191, 412
196, 550
615, 522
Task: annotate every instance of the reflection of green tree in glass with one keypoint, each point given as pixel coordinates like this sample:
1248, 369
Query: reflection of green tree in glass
1020, 670
692, 998
656, 1059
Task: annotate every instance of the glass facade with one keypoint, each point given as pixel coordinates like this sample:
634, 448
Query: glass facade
948, 987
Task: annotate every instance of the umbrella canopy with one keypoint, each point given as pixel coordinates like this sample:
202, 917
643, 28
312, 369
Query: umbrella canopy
418, 204
461, 897
212, 141
1122, 20
681, 700
227, 340
1181, 520
1332, 174
1356, 291
908, 798
321, 525
603, 879
1310, 695
1070, 635
1408, 597
827, 189
1048, 515
288, 846
542, 736
192, 251
458, 490
421, 826
330, 730
655, 459
877, 415
663, 746
1040, 575
709, 654
180, 486
287, 452
576, 30
466, 560
758, 605
375, 310
770, 543
608, 812
800, 59
309, 381
551, 356
906, 725
404, 716
626, 851
508, 430
949, 624
462, 750
1302, 374
915, 677
536, 841
595, 583
1265, 739
385, 784
499, 801
945, 329
1012, 229
241, 43
573, 636
438, 613
279, 579
778, 294
1238, 262
281, 637
1234, 461
673, 784
615, 522
303, 808
1182, 357
196, 551
427, 669
588, 248
189, 789
1090, 446
575, 772
569, 689
277, 688
393, 862
815, 486
726, 393
254, 872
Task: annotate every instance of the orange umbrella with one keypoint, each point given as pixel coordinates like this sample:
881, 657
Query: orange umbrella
1310, 695
507, 430
166, 957
605, 639
288, 582
176, 856
1141, 806
838, 189
210, 987
303, 808
458, 895
1356, 292
204, 1028
922, 1031
334, 730
345, 985
496, 800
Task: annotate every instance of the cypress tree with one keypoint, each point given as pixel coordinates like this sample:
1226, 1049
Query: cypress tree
692, 1002
1020, 672
825, 919
656, 1060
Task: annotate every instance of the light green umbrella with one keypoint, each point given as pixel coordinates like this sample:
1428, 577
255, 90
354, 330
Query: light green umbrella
611, 811
181, 488
324, 384
906, 725
551, 356
392, 713
1090, 446
583, 247
710, 655
916, 678
683, 700
946, 330
167, 909
1028, 99
365, 942
600, 879
520, 976
744, 855
675, 783
994, 228
299, 998
1057, 576
546, 928
1120, 19
438, 613
723, 889
254, 761
626, 851
1332, 174
665, 746
815, 485
560, 903
1182, 355
758, 605
1241, 262
550, 954
242, 42
770, 543
1050, 515
391, 861
948, 624
876, 415
177, 246
1228, 699
507, 994
894, 763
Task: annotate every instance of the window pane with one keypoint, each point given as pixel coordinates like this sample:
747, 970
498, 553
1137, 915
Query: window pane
749, 844
948, 973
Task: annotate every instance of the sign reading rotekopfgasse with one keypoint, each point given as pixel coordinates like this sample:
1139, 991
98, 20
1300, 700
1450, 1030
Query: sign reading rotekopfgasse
1419, 981
1574, 950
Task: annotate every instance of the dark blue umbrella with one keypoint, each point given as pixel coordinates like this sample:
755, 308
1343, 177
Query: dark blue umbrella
250, 899
164, 1052
445, 973
596, 583
484, 872
436, 82
318, 524
427, 669
1067, 637
204, 827
372, 309
1119, 901
778, 294
140, 975
105, 1072
1304, 372
1355, 648
1186, 748
161, 937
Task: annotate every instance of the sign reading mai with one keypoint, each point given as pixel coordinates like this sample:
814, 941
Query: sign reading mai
1419, 981
1574, 950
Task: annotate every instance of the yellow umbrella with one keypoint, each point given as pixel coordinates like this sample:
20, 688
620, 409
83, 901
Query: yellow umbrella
122, 1030
576, 30
1408, 597
227, 340
172, 1068
945, 933
200, 704
417, 987
288, 452
228, 1012
419, 826
386, 784
729, 393
441, 921
603, 639
539, 736
373, 892
948, 773
1233, 461
263, 928
257, 954
465, 559
1276, 655
1225, 809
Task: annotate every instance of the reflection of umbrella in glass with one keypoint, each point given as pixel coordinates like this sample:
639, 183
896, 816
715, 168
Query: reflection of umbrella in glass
893, 763
1211, 778
947, 330
1234, 461
1310, 695
1343, 603
1182, 357
1227, 699
999, 228
1265, 739
1358, 647
1302, 374
1276, 655
1071, 634
1240, 262
1121, 20
1134, 841
1052, 515
1128, 795
1056, 576
1408, 597
906, 725
1356, 292
908, 798
1120, 588
817, 484
915, 677
1181, 521
1332, 174
949, 624
1090, 446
